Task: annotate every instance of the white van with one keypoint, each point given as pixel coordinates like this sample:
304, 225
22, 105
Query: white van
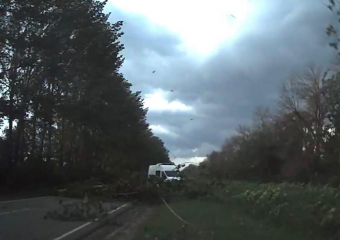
167, 171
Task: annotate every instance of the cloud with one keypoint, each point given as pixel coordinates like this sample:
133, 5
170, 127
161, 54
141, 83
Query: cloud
188, 161
157, 102
221, 91
161, 130
191, 17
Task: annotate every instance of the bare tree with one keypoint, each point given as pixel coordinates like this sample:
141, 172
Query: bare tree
302, 96
262, 116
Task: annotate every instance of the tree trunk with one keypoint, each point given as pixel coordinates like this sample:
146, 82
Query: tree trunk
34, 136
49, 146
50, 128
13, 76
73, 138
11, 118
61, 151
10, 128
20, 129
338, 147
42, 140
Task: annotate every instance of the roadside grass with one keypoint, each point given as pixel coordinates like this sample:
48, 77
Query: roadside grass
243, 210
210, 220
310, 210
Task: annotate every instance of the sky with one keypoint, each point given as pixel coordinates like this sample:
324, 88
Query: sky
204, 66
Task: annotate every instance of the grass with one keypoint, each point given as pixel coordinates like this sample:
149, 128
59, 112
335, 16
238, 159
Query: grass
243, 210
210, 220
310, 210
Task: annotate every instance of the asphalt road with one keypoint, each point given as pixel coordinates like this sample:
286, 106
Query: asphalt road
24, 220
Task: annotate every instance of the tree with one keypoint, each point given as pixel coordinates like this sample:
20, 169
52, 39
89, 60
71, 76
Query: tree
303, 96
332, 30
332, 100
67, 106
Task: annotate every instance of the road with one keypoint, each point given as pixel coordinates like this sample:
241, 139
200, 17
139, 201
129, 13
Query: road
24, 220
125, 226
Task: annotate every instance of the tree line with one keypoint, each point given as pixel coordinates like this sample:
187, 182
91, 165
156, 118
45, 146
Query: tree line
66, 112
297, 141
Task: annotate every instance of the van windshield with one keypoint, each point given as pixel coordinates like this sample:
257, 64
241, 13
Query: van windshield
172, 173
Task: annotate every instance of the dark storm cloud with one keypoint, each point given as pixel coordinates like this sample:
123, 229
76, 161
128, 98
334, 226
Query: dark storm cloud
148, 48
285, 37
142, 37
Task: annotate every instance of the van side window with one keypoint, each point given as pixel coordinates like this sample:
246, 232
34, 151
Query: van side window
158, 173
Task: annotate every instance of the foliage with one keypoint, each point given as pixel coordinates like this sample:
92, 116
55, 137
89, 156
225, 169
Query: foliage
301, 211
332, 30
70, 114
137, 187
209, 220
302, 208
80, 211
297, 142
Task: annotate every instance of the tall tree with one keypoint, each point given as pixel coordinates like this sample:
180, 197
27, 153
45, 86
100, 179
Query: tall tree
62, 96
303, 97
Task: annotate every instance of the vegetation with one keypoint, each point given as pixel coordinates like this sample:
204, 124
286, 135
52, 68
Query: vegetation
243, 210
220, 221
80, 211
297, 142
67, 112
276, 179
71, 120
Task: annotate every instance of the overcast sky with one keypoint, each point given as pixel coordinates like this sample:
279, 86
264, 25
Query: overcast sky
215, 61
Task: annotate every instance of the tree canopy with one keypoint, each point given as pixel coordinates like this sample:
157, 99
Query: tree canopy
67, 112
298, 141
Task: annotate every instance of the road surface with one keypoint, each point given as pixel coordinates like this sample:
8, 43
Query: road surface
24, 220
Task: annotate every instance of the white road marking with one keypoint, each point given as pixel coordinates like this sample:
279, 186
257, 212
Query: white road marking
86, 224
15, 211
72, 231
25, 199
118, 208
